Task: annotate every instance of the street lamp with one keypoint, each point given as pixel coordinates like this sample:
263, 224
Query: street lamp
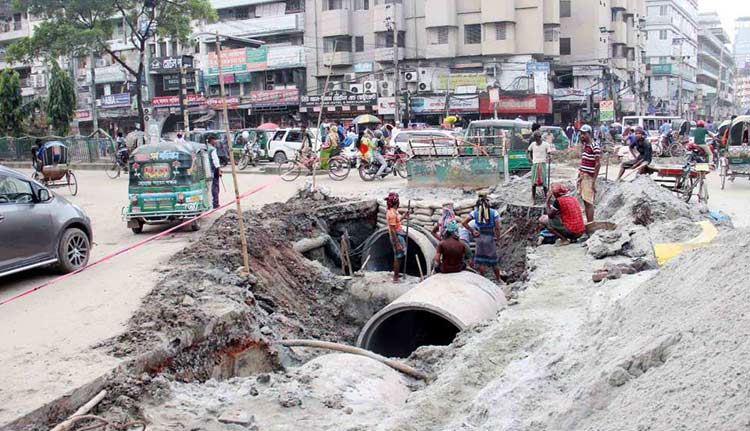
251, 43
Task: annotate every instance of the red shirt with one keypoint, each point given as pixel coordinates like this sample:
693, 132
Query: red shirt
571, 215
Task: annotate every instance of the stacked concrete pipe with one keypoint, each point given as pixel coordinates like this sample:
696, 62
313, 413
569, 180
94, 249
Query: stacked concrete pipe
379, 252
432, 313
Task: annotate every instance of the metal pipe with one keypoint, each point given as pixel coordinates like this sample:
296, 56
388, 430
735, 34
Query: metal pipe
432, 313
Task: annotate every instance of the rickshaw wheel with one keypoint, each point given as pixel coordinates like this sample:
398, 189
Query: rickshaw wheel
687, 189
72, 183
677, 150
138, 229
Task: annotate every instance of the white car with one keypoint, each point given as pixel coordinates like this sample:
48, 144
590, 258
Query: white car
426, 142
286, 143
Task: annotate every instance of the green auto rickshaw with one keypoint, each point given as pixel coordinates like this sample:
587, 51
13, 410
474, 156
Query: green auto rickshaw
168, 183
488, 136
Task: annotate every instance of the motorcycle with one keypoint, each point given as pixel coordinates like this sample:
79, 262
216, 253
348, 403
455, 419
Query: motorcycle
395, 164
250, 155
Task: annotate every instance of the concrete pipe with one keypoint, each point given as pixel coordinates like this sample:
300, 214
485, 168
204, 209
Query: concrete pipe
378, 247
432, 313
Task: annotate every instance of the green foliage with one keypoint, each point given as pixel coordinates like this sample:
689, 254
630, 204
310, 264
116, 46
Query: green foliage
61, 102
11, 102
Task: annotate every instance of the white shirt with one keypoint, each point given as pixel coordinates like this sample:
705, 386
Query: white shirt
540, 152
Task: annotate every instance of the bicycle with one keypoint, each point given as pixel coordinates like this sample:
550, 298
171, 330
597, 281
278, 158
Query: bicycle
118, 164
338, 167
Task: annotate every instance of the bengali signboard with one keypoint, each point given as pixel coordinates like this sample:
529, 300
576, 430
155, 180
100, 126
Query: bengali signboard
606, 110
239, 60
172, 81
83, 115
536, 104
116, 100
170, 64
263, 98
343, 99
454, 80
217, 103
436, 104
165, 101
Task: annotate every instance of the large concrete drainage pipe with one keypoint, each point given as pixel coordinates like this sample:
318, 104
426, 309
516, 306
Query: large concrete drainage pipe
431, 313
421, 248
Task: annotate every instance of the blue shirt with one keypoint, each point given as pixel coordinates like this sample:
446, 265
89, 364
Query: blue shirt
665, 128
490, 223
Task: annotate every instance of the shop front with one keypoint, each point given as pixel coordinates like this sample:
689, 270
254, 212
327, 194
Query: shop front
340, 106
432, 110
272, 106
532, 107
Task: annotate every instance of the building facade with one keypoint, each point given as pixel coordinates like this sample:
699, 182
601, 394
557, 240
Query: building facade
601, 58
715, 72
742, 61
449, 53
14, 26
672, 56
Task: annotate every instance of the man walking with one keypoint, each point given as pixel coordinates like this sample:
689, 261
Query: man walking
538, 153
213, 158
588, 172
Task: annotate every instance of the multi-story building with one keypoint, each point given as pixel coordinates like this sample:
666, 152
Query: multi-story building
715, 69
601, 51
14, 26
449, 53
672, 55
742, 61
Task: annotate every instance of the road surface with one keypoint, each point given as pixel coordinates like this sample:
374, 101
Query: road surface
47, 337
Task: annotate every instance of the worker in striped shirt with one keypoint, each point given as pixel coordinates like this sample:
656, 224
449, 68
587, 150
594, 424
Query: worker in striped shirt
591, 155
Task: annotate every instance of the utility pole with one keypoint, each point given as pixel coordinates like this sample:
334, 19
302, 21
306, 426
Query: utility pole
94, 113
679, 88
390, 23
718, 89
183, 98
637, 75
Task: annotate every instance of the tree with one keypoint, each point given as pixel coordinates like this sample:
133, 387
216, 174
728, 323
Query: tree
11, 102
61, 101
81, 26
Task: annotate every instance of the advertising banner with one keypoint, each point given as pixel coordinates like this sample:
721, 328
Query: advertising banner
165, 101
115, 100
335, 100
263, 98
169, 64
606, 110
239, 60
454, 80
436, 104
172, 81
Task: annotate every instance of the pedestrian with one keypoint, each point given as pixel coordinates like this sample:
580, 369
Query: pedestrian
180, 139
588, 172
563, 216
642, 154
213, 158
538, 153
451, 251
569, 132
447, 215
603, 132
333, 140
396, 233
486, 234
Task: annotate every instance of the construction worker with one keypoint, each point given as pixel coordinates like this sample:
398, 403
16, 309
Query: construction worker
395, 233
563, 216
486, 233
588, 172
451, 251
538, 153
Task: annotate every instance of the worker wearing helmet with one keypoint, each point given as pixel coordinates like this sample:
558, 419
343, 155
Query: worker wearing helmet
588, 172
699, 139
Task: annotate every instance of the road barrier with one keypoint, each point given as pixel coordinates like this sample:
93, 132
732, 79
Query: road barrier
82, 149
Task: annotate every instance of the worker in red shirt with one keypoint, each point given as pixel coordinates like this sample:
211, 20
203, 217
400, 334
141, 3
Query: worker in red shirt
563, 217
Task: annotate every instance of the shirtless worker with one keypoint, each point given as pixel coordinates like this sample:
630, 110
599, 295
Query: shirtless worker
395, 233
451, 252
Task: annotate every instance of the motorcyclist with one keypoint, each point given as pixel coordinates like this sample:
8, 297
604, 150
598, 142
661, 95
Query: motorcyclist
122, 149
379, 153
699, 138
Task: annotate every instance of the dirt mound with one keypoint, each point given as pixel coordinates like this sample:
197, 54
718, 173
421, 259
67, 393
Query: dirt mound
641, 201
673, 351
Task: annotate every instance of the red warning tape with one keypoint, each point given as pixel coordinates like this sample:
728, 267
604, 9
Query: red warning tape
137, 244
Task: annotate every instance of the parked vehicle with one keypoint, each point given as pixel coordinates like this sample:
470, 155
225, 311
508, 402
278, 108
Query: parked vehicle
261, 136
168, 183
51, 167
559, 139
486, 137
39, 228
250, 150
734, 158
425, 142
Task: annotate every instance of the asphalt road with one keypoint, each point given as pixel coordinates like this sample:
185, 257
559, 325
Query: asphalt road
47, 337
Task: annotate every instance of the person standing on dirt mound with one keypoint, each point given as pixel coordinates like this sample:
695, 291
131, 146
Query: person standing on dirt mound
563, 216
395, 233
486, 232
588, 172
538, 153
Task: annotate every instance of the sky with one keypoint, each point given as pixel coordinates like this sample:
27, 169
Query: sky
728, 10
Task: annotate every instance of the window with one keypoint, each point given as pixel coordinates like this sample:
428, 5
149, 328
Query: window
174, 48
663, 10
551, 34
163, 49
361, 4
501, 30
152, 49
472, 34
294, 6
439, 36
359, 43
341, 43
663, 60
564, 46
16, 21
385, 40
13, 190
565, 8
334, 4
662, 34
377, 2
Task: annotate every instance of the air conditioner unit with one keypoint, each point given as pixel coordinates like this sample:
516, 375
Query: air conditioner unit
385, 88
269, 77
350, 78
424, 86
357, 88
423, 74
411, 77
370, 87
100, 62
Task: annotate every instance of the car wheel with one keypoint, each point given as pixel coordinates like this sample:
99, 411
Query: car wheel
280, 158
74, 250
195, 226
137, 229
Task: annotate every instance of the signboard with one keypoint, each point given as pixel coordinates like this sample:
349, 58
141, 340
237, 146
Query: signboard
164, 101
386, 105
115, 100
262, 98
170, 64
363, 67
533, 104
606, 110
343, 99
661, 69
83, 115
437, 104
172, 81
239, 60
214, 79
281, 57
541, 83
462, 79
533, 67
494, 95
217, 103
587, 71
